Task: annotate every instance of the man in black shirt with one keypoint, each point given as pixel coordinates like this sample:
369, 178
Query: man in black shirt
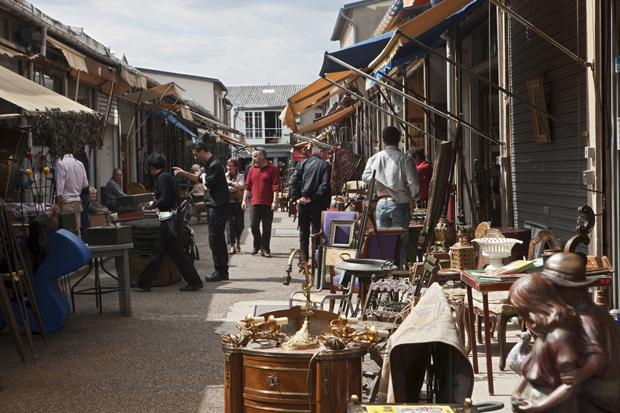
169, 241
216, 201
310, 187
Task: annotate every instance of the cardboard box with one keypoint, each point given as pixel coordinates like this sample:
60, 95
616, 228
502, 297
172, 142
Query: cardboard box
109, 235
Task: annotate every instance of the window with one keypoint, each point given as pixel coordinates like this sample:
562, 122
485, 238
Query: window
254, 125
273, 124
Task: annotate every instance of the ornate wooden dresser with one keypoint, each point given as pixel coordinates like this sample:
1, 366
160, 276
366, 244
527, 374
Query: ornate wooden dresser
303, 381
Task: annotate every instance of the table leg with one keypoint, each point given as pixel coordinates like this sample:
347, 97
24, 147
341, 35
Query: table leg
472, 332
487, 342
124, 284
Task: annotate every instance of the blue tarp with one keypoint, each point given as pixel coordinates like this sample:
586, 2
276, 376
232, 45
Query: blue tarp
176, 122
361, 54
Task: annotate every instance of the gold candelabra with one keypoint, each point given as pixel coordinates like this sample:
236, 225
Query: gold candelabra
342, 334
301, 339
257, 328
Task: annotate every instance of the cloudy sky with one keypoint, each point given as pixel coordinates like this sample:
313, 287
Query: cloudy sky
240, 42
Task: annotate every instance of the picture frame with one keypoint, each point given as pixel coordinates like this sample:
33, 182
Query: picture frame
341, 233
540, 123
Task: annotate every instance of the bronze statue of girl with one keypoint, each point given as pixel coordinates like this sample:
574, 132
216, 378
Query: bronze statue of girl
555, 352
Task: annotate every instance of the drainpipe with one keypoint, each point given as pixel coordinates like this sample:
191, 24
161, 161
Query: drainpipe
347, 18
43, 49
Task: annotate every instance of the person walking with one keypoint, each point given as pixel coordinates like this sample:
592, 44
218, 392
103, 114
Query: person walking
70, 179
236, 183
263, 182
216, 202
310, 187
396, 184
169, 241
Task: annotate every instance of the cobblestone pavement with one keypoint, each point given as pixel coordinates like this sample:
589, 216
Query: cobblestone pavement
166, 358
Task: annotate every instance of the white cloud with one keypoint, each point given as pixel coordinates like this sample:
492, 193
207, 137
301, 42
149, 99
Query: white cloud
240, 42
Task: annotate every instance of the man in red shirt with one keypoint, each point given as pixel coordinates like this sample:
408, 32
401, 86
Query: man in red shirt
424, 170
263, 183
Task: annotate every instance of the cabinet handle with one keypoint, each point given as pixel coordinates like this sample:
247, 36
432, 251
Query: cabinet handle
272, 380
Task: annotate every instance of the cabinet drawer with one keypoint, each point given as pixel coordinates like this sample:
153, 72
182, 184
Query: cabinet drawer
257, 407
276, 381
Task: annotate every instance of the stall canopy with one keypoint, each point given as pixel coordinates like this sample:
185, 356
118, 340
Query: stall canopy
414, 28
156, 93
75, 59
330, 119
176, 122
312, 95
33, 97
429, 30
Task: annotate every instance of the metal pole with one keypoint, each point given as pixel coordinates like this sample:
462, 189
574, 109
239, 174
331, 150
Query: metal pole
445, 115
487, 81
379, 108
542, 34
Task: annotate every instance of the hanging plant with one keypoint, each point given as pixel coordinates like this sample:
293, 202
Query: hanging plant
66, 132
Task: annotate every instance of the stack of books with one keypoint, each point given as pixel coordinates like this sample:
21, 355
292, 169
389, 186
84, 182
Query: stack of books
512, 271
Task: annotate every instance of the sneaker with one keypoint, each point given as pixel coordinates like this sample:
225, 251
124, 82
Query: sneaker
232, 250
189, 287
238, 247
254, 252
265, 253
216, 277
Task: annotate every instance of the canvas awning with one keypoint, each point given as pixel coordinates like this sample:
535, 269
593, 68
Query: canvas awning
75, 59
136, 80
330, 119
313, 94
156, 93
415, 27
173, 120
33, 97
362, 54
9, 52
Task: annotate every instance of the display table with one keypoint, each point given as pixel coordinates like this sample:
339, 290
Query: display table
259, 380
485, 286
118, 252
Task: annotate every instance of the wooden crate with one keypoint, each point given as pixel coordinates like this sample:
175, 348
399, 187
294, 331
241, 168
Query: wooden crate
168, 273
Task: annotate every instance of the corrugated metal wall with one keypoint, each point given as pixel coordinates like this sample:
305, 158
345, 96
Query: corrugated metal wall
547, 176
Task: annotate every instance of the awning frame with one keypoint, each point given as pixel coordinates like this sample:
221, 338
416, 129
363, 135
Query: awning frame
379, 108
446, 115
486, 81
542, 34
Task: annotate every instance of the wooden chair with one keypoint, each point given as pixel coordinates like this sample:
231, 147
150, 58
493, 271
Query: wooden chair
134, 188
545, 238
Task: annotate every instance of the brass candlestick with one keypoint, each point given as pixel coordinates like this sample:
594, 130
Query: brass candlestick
301, 339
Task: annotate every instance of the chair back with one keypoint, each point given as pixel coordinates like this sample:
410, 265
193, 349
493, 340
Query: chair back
135, 188
326, 221
384, 244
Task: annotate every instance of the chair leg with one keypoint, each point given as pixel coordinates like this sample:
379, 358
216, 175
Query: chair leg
501, 339
479, 328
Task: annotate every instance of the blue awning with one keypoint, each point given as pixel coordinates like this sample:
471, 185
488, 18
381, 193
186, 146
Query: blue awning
361, 54
176, 122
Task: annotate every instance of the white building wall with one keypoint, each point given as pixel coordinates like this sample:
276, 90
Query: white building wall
200, 91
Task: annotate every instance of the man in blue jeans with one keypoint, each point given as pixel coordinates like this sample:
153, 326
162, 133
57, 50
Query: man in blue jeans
396, 185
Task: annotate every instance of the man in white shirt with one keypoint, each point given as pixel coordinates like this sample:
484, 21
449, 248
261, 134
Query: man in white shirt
396, 185
70, 178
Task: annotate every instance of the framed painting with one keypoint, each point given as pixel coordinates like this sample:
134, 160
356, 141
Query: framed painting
540, 122
341, 233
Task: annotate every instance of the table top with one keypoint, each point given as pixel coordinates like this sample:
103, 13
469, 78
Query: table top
474, 281
320, 352
109, 248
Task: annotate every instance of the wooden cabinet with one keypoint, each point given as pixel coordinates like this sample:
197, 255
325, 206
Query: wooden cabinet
275, 380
